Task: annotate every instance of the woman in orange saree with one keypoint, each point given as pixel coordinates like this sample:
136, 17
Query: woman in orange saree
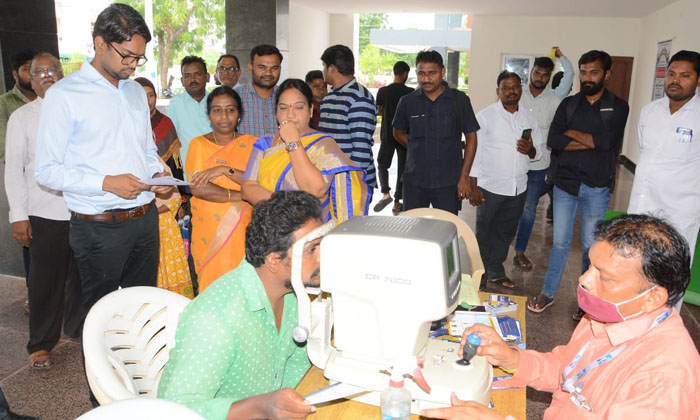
215, 165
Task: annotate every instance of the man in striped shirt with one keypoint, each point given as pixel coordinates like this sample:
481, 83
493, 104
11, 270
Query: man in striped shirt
348, 112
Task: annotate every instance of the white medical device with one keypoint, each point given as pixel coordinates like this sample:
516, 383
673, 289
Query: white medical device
387, 279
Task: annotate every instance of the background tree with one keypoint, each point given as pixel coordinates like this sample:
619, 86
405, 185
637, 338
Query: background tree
180, 27
369, 21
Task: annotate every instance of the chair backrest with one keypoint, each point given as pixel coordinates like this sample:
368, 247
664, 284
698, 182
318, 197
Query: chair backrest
464, 232
127, 339
141, 409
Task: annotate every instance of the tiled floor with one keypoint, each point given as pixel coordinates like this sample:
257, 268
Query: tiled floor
61, 393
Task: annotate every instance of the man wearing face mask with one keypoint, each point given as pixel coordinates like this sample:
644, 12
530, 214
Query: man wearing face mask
585, 138
631, 356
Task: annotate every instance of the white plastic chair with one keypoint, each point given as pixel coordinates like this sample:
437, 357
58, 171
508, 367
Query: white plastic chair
127, 339
463, 231
141, 409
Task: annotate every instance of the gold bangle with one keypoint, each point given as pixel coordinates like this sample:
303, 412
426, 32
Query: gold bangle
228, 191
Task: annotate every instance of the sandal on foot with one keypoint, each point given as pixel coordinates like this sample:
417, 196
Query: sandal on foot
503, 282
381, 204
522, 262
540, 303
40, 360
578, 314
398, 208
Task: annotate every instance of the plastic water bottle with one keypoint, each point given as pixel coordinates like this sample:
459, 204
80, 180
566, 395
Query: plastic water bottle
396, 400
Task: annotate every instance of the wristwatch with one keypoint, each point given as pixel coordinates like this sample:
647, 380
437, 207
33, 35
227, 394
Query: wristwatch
291, 146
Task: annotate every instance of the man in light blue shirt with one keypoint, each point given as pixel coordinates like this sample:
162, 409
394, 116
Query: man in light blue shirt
95, 144
189, 110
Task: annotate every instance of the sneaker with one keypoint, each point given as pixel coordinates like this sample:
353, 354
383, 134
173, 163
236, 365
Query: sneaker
540, 303
578, 314
381, 204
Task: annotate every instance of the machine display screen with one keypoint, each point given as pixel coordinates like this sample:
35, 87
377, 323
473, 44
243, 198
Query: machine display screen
450, 255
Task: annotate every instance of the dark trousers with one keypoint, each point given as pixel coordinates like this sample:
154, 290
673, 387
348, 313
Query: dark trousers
113, 254
496, 223
415, 197
386, 153
53, 282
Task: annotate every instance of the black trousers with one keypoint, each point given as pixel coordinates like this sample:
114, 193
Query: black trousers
415, 197
115, 254
386, 153
53, 285
496, 224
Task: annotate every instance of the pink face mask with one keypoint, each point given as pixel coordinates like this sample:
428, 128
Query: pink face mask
600, 309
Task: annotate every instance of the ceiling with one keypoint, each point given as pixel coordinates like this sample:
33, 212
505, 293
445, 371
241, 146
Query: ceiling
610, 8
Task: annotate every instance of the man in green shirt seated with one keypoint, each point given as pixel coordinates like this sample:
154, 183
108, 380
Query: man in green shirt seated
234, 356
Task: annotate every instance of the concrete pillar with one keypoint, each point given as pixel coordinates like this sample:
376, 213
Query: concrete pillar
453, 68
25, 24
253, 23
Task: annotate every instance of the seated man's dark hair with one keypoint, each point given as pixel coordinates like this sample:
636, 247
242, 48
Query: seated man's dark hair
22, 57
313, 75
274, 222
221, 91
401, 67
664, 252
341, 57
505, 74
193, 59
297, 84
685, 55
545, 63
429, 56
238, 63
265, 49
118, 23
594, 55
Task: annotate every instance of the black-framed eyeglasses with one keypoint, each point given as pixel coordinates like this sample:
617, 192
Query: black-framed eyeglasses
130, 59
228, 70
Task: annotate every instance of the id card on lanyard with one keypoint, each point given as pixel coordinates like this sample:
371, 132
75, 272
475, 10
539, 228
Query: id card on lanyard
574, 384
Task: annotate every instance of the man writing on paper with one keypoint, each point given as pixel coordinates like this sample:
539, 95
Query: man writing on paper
630, 356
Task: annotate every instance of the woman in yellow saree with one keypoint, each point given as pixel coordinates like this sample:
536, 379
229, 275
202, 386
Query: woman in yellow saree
299, 158
215, 165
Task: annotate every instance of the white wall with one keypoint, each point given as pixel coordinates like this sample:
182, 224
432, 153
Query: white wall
493, 35
342, 30
309, 36
677, 20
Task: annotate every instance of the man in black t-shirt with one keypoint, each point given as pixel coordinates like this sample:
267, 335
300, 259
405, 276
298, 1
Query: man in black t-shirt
430, 122
387, 100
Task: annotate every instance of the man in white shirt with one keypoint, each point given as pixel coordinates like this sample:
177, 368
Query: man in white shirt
509, 138
542, 102
95, 144
39, 218
667, 177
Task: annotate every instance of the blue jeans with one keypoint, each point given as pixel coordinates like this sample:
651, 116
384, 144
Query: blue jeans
535, 181
591, 205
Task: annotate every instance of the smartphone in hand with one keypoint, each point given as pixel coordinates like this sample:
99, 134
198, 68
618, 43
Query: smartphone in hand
526, 134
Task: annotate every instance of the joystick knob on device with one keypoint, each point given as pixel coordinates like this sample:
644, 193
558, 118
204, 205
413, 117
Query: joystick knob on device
469, 351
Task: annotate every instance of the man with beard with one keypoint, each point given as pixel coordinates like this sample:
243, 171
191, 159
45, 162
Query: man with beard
188, 110
430, 122
39, 220
19, 95
228, 70
585, 138
258, 97
542, 103
667, 178
95, 144
234, 354
509, 139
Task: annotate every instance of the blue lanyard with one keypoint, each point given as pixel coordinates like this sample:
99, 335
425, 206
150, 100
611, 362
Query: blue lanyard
574, 384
